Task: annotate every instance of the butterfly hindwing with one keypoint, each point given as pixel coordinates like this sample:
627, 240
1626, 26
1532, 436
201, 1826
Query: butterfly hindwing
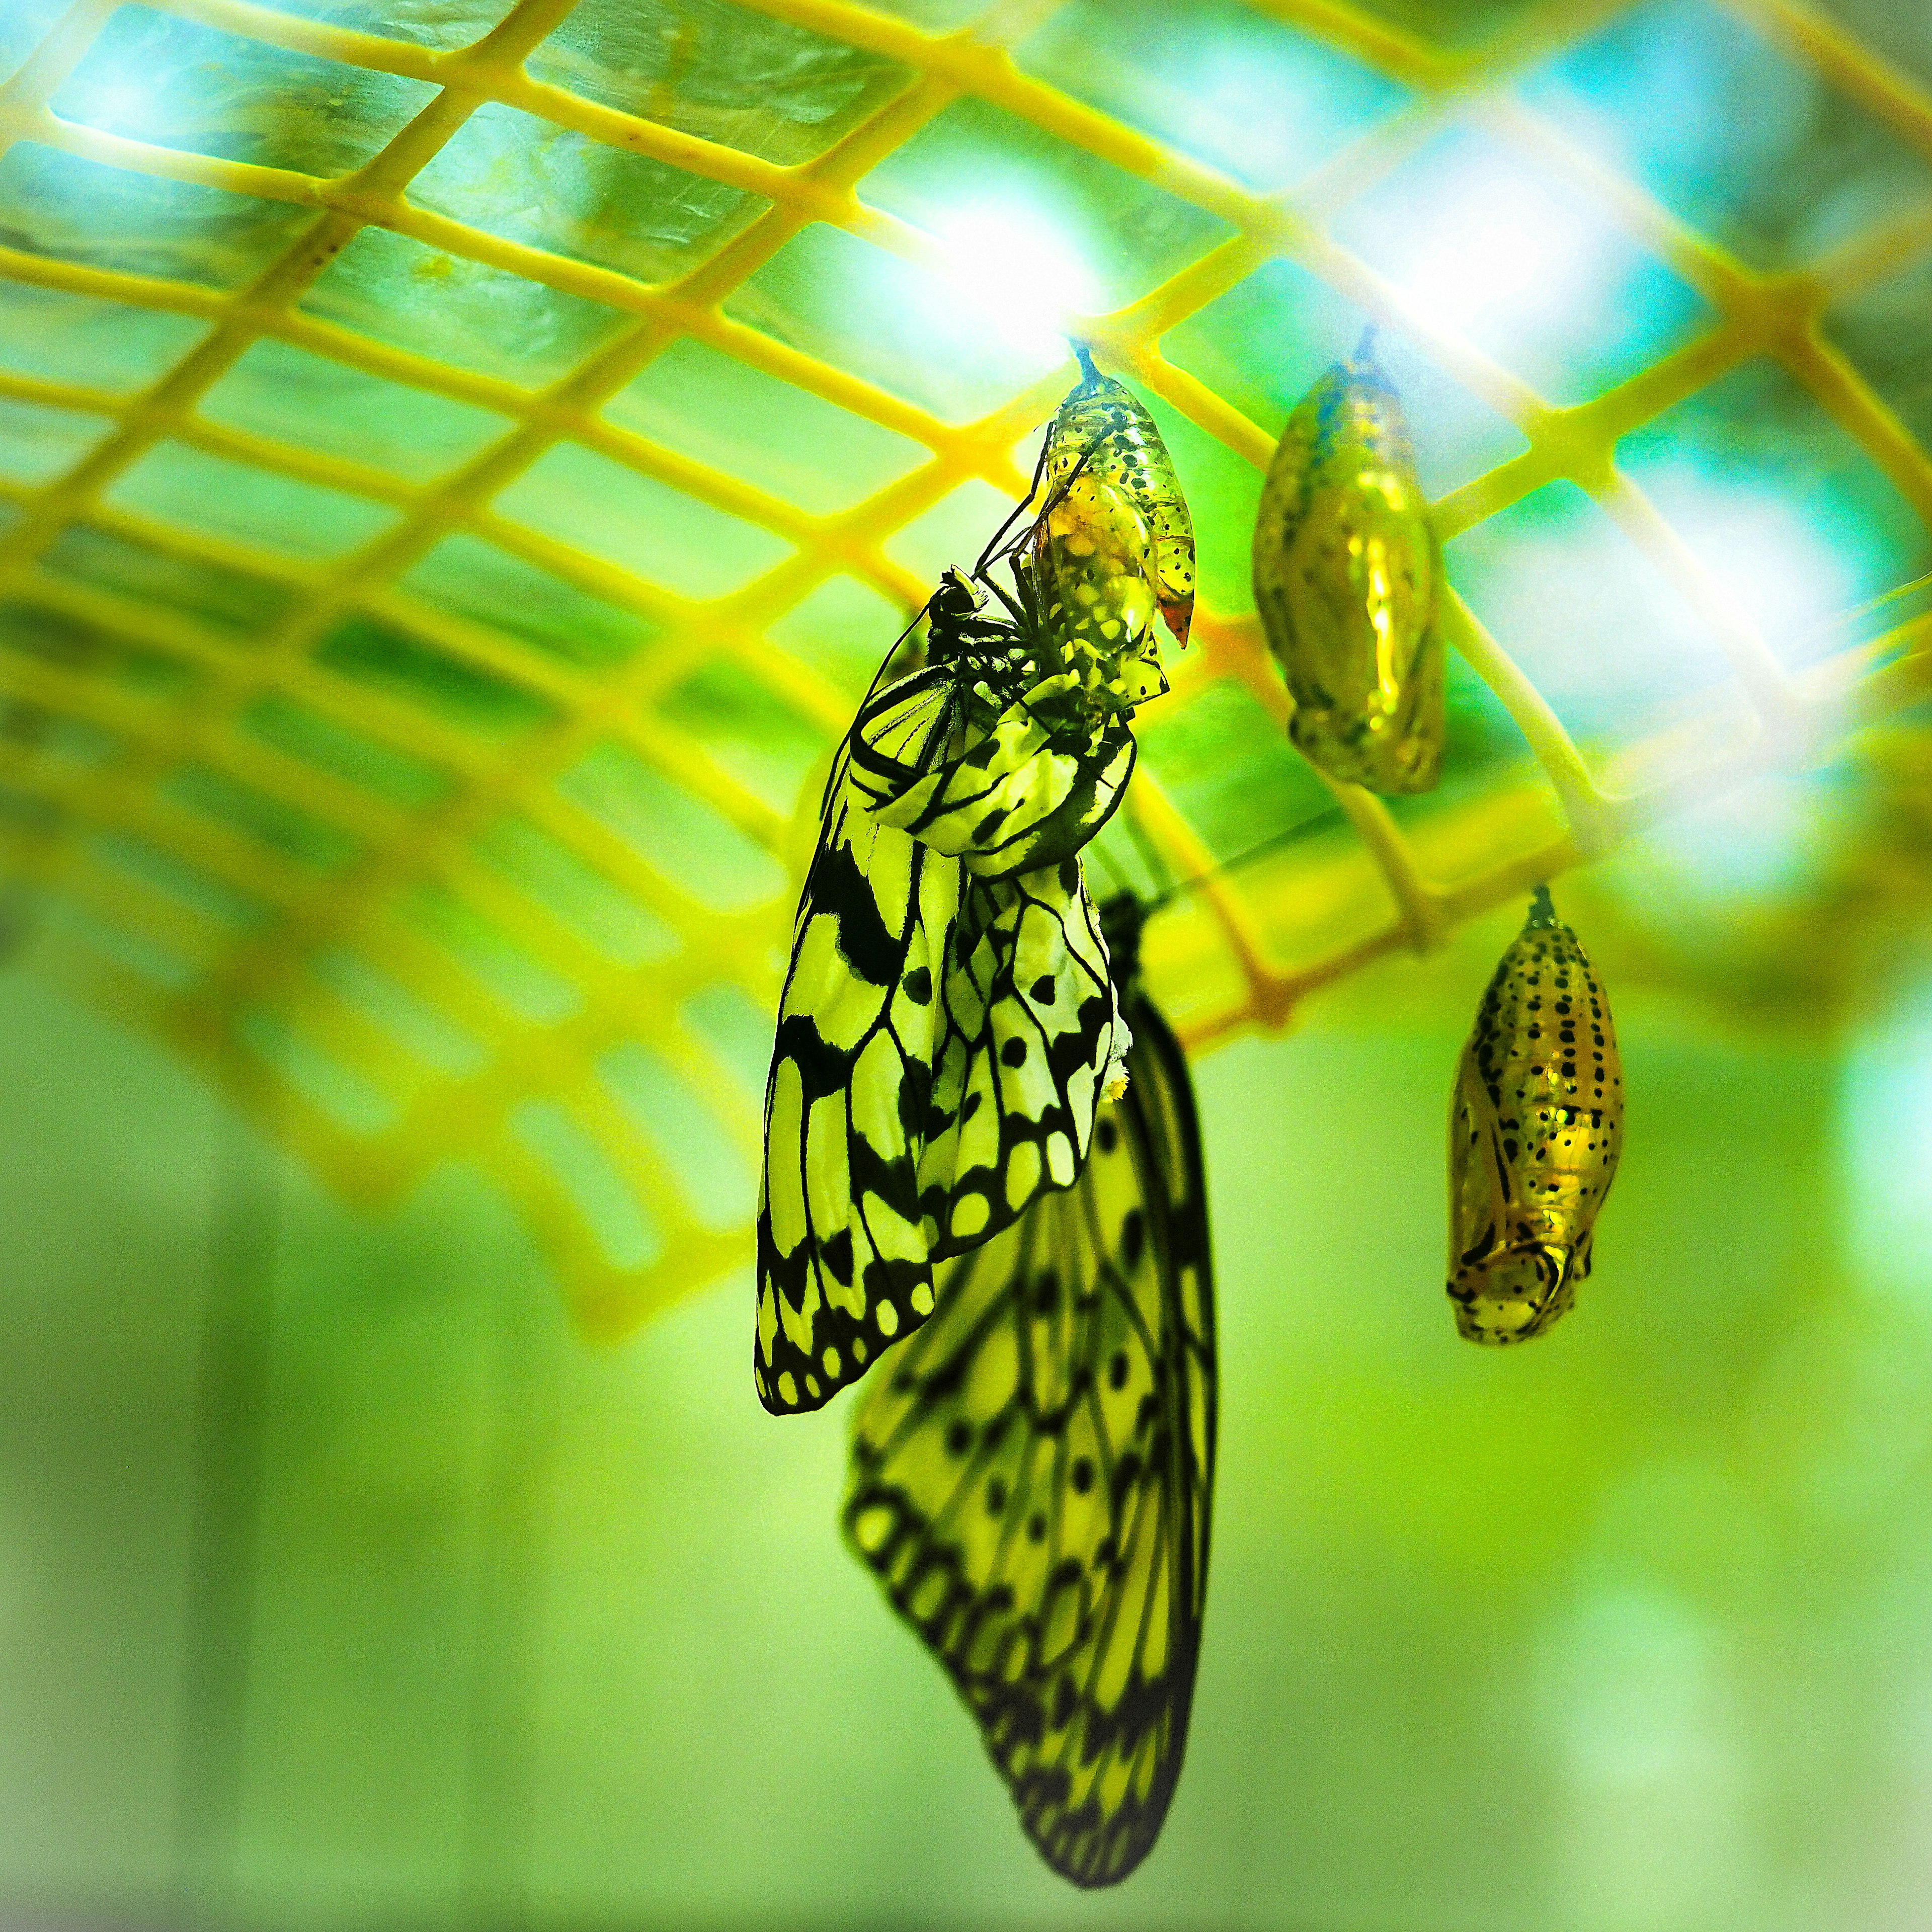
1040, 779
1032, 1477
1028, 1031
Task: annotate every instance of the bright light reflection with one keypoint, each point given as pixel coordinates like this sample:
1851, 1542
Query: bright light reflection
1773, 562
1505, 250
117, 104
1744, 844
1015, 270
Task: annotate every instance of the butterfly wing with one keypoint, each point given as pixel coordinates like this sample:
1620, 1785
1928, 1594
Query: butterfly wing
1032, 1482
1040, 779
1027, 1039
943, 1042
841, 1248
1026, 1019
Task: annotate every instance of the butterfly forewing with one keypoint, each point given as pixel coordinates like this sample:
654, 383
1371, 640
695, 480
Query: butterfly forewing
1042, 779
839, 1205
943, 1038
1032, 1479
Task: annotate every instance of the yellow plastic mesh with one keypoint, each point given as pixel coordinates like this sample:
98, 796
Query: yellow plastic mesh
418, 888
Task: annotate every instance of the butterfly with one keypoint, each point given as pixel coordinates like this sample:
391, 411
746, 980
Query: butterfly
1347, 572
1536, 1124
1032, 1481
948, 1025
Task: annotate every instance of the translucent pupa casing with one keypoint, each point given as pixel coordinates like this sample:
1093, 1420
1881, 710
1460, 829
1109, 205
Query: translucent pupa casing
1114, 542
1536, 1123
1347, 572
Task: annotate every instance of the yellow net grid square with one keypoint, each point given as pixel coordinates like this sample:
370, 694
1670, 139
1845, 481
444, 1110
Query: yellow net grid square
461, 461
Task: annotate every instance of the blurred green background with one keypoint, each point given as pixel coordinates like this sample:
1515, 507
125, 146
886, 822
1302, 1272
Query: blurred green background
342, 1585
344, 1582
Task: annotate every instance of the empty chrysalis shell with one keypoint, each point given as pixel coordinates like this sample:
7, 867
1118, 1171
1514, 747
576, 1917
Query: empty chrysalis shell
1535, 1125
1347, 573
1114, 542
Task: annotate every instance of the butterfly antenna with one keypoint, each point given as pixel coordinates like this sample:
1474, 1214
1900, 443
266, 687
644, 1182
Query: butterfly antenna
991, 553
1071, 477
1066, 483
994, 552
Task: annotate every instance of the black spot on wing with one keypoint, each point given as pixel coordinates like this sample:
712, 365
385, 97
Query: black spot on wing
838, 887
915, 1097
837, 1255
823, 1069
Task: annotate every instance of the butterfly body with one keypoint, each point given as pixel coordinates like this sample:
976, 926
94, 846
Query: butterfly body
1031, 1481
1536, 1125
1347, 572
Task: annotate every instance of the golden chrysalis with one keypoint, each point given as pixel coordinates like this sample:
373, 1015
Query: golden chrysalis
1536, 1123
1114, 542
1348, 570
